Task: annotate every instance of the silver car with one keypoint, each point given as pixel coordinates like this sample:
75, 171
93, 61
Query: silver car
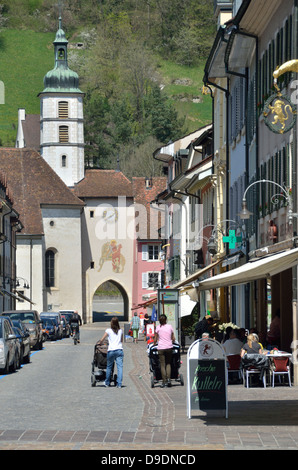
8, 347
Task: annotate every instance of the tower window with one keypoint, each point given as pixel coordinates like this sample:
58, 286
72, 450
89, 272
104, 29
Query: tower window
50, 268
63, 109
63, 134
61, 54
63, 161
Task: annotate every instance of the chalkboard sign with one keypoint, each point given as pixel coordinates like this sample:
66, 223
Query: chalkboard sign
207, 377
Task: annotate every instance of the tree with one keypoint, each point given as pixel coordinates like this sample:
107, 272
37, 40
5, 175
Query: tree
165, 124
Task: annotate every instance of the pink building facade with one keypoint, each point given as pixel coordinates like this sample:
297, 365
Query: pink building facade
148, 253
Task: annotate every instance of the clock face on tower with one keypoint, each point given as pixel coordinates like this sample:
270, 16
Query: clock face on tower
110, 215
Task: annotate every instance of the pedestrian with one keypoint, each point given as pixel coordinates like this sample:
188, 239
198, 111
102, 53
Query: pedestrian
135, 326
165, 337
203, 326
115, 351
75, 323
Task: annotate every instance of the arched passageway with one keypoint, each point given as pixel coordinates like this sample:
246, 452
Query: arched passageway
109, 300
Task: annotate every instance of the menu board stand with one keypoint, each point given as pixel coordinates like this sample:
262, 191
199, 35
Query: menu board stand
168, 304
207, 378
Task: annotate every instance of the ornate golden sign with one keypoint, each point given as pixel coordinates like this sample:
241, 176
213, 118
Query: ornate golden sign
279, 113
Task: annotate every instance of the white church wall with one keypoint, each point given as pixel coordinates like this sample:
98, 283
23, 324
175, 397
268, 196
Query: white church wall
62, 228
29, 262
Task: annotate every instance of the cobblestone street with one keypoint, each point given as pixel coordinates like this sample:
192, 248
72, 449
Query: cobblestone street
140, 417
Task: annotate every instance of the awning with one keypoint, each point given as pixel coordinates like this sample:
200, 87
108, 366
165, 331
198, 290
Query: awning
196, 275
186, 305
17, 295
10, 294
258, 269
23, 297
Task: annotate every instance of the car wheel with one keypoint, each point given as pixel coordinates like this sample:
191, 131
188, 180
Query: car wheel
5, 371
27, 358
20, 360
13, 366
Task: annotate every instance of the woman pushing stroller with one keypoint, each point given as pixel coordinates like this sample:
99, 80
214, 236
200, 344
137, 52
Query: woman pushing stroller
114, 334
165, 337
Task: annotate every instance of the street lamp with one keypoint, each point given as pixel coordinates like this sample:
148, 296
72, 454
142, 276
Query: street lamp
25, 282
245, 214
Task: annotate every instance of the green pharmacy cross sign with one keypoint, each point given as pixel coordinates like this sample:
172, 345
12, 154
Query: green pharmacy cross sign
232, 239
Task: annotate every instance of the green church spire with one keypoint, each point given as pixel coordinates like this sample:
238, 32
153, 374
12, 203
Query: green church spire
61, 78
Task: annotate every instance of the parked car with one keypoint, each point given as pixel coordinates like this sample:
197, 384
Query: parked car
8, 347
67, 314
18, 345
23, 335
66, 327
32, 322
56, 316
50, 328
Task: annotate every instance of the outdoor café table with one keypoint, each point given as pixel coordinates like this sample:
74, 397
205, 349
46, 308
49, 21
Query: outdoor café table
271, 355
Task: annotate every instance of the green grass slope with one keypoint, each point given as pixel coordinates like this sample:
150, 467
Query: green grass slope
25, 58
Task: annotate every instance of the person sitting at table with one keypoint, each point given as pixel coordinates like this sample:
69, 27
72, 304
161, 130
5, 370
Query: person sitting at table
251, 347
233, 345
256, 337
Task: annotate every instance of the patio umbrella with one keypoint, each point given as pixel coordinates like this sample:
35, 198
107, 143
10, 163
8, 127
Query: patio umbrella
154, 314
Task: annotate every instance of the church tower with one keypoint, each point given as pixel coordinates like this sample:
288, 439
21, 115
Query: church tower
61, 117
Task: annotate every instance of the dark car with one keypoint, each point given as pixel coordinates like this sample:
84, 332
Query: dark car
50, 328
32, 322
66, 327
57, 319
23, 337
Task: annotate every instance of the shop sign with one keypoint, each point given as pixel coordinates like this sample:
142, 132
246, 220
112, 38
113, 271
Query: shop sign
206, 377
279, 113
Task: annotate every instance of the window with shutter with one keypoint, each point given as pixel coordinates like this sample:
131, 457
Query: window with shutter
63, 109
63, 134
153, 252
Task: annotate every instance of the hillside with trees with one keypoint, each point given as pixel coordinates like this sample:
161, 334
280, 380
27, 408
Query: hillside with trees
140, 64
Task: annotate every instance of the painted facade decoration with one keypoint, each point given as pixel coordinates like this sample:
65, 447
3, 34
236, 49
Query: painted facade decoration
111, 251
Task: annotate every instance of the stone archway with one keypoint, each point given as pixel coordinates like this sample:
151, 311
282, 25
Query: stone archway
104, 307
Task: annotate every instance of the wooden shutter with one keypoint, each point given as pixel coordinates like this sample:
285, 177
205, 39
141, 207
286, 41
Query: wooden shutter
63, 109
145, 252
63, 134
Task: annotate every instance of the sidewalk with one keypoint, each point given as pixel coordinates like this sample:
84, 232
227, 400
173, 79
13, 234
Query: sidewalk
258, 418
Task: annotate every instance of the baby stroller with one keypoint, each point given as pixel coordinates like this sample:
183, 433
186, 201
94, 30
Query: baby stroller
99, 365
154, 364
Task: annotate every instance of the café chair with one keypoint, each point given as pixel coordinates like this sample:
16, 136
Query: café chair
250, 371
281, 367
234, 361
254, 364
